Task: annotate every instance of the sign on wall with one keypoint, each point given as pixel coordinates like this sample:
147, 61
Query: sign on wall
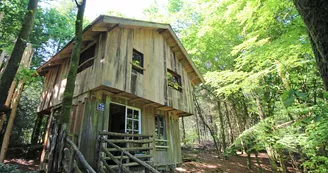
101, 107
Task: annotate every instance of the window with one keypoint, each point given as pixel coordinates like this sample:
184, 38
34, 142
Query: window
86, 58
132, 121
174, 80
160, 129
137, 62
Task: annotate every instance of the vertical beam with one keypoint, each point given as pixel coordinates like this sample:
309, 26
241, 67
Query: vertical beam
45, 142
36, 129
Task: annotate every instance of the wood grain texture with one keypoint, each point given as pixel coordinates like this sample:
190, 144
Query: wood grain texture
112, 68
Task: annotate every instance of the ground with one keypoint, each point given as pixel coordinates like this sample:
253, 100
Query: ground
195, 161
207, 161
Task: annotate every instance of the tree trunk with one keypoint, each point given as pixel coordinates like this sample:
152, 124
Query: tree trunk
5, 142
183, 132
70, 85
239, 125
314, 14
272, 159
229, 123
26, 61
259, 107
224, 145
7, 77
258, 162
209, 127
56, 154
2, 56
198, 129
249, 160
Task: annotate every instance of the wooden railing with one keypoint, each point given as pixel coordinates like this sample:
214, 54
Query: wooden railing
73, 158
161, 144
117, 150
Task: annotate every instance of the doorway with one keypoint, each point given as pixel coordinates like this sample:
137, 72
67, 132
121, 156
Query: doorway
116, 118
124, 119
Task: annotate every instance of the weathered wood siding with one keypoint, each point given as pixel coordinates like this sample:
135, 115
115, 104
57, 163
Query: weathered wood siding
158, 57
86, 80
94, 121
112, 68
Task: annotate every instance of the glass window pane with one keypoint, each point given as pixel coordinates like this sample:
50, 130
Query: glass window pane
129, 113
136, 125
136, 115
129, 124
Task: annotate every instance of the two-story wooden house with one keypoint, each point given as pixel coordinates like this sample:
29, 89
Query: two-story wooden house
134, 81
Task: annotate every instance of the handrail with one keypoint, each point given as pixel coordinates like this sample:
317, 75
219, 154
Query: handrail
115, 160
132, 157
124, 134
80, 156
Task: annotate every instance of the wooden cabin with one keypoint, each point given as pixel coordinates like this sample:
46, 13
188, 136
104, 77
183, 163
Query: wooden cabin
134, 81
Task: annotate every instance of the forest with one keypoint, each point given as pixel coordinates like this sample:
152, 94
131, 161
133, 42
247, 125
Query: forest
264, 63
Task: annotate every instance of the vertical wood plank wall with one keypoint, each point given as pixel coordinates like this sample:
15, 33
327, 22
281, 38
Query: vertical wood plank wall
112, 68
94, 121
158, 57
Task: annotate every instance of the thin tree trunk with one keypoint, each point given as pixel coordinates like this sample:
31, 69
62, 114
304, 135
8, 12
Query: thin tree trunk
2, 121
70, 85
258, 162
229, 123
314, 14
5, 143
198, 129
211, 129
224, 145
249, 160
56, 155
239, 125
2, 56
260, 108
26, 61
7, 77
272, 159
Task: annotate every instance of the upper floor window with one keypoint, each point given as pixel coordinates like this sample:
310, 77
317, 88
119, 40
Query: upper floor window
137, 61
174, 80
86, 58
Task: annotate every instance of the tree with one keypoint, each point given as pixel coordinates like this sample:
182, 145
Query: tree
314, 14
64, 118
8, 74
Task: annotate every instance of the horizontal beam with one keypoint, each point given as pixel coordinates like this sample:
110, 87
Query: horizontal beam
124, 134
128, 141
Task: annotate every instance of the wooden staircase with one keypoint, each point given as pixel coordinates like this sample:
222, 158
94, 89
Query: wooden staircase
125, 152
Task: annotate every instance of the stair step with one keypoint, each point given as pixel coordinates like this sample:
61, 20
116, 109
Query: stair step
128, 165
131, 149
125, 164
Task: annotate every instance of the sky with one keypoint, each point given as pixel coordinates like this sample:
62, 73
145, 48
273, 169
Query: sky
130, 8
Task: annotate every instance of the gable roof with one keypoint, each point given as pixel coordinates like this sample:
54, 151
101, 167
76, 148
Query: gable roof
107, 23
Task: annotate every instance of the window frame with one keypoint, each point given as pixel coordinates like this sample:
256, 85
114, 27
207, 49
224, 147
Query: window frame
80, 65
171, 84
138, 67
132, 119
158, 126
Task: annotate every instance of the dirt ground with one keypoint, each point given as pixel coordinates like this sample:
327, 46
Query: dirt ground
208, 162
196, 161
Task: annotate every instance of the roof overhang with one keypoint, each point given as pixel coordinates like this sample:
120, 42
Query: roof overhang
107, 23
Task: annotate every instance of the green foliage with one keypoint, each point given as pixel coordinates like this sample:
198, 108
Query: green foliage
27, 75
9, 168
257, 53
26, 114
